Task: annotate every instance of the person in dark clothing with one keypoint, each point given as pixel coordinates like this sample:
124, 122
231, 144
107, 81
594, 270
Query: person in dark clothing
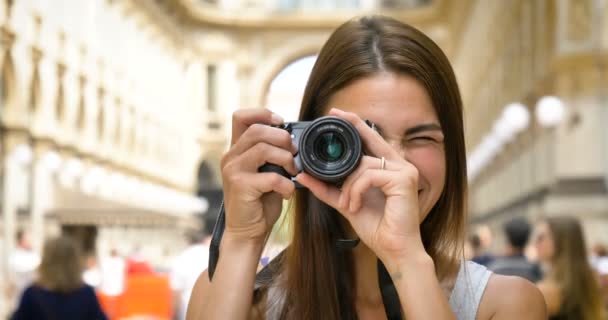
59, 293
479, 256
514, 263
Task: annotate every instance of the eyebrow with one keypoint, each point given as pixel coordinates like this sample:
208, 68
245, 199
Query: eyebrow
423, 127
413, 130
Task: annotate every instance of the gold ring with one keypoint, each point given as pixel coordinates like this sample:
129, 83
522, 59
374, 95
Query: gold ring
382, 163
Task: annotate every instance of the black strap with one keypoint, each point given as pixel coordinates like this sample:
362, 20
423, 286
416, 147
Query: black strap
390, 298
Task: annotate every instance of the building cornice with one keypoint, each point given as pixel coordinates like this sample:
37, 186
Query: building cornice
197, 14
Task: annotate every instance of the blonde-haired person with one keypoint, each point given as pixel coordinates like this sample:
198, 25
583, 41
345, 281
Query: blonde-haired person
570, 286
406, 200
59, 291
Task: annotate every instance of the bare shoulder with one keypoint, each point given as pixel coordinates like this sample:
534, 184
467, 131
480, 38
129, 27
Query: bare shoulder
508, 297
552, 295
199, 291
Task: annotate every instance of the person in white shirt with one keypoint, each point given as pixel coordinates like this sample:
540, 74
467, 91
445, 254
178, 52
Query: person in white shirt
185, 269
23, 263
113, 270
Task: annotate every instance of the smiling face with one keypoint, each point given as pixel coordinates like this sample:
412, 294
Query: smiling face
404, 115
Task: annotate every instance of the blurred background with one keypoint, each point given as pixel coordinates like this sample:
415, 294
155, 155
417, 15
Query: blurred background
114, 115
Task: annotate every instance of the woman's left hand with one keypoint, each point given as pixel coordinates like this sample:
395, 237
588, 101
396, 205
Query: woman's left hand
381, 204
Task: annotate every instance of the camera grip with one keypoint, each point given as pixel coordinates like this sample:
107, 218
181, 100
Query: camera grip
268, 167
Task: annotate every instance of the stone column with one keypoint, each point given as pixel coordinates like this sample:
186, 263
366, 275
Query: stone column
15, 157
46, 162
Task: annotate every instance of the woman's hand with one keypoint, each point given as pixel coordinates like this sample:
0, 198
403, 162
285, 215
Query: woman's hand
381, 204
253, 200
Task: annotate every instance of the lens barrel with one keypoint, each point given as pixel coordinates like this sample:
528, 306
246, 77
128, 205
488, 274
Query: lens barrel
330, 149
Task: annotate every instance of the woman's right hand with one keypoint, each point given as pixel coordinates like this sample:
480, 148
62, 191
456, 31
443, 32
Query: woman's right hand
252, 199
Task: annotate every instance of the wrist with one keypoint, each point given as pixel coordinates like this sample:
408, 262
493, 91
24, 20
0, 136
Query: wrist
237, 243
411, 263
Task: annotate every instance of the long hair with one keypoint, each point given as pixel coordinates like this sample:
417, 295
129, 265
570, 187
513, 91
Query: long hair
580, 293
61, 266
318, 277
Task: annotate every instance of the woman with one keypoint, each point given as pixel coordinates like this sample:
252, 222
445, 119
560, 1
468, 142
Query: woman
405, 201
59, 292
570, 287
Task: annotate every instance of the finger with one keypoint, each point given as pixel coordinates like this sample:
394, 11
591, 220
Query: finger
372, 178
263, 153
373, 142
242, 119
323, 191
366, 163
266, 182
262, 133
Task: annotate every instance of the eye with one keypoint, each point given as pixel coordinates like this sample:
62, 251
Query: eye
423, 139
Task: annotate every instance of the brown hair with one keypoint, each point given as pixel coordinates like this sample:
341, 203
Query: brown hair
61, 266
319, 280
579, 288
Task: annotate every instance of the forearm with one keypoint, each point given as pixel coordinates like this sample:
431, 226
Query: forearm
231, 290
419, 290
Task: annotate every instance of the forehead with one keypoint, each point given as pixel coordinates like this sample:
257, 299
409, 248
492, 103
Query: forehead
391, 100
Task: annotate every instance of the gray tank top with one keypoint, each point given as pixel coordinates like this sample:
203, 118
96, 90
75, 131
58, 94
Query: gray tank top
468, 288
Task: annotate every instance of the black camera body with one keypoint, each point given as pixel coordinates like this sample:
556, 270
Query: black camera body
329, 149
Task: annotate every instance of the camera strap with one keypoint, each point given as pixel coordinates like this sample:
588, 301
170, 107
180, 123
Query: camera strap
264, 277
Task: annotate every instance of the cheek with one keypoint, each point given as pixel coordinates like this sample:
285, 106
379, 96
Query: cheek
550, 249
545, 249
430, 162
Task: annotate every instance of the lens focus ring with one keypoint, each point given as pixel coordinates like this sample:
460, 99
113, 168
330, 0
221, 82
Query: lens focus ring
330, 149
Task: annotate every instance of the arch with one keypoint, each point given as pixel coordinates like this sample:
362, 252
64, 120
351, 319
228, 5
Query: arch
60, 107
284, 95
80, 112
278, 59
101, 115
119, 123
209, 188
7, 82
34, 100
286, 61
205, 177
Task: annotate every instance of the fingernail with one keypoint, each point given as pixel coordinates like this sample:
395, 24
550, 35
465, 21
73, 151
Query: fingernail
276, 119
294, 148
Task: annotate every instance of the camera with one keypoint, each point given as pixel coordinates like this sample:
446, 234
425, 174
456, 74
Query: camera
329, 149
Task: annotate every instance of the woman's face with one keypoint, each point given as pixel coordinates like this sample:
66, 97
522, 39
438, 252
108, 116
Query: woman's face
543, 241
404, 115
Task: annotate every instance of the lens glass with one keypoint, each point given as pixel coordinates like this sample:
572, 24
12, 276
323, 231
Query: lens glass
329, 147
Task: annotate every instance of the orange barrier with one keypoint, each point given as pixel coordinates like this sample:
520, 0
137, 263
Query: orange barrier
145, 295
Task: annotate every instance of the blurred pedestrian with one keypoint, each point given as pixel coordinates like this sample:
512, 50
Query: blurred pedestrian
514, 262
478, 254
59, 291
113, 270
600, 263
600, 258
185, 269
91, 274
22, 266
138, 263
570, 287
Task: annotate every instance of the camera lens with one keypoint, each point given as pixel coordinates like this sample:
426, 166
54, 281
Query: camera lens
330, 149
